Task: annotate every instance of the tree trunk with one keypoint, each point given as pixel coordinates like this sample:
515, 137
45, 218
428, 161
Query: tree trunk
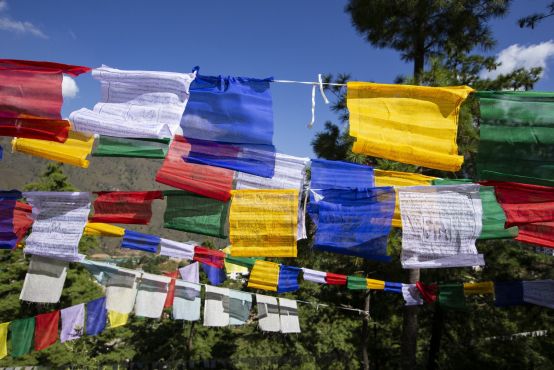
409, 329
365, 332
191, 336
436, 335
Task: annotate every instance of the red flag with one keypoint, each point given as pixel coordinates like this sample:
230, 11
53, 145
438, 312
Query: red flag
209, 256
212, 182
46, 329
22, 219
35, 128
124, 207
171, 291
428, 291
335, 279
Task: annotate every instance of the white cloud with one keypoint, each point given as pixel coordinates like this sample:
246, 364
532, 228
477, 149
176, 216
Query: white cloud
516, 56
69, 87
12, 25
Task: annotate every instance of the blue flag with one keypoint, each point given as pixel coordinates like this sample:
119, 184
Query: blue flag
96, 316
508, 293
340, 175
140, 241
216, 276
288, 279
8, 238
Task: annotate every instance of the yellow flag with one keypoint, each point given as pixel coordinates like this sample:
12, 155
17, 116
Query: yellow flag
4, 339
485, 287
117, 318
399, 179
263, 223
231, 268
409, 124
74, 151
375, 284
264, 275
102, 229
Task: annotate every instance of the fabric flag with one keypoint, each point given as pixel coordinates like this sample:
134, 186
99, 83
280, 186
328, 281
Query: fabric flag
59, 221
539, 292
214, 306
209, 256
171, 289
516, 136
356, 282
237, 265
22, 331
388, 286
314, 276
264, 223
353, 222
452, 296
340, 175
31, 96
46, 329
131, 147
240, 304
186, 305
22, 219
427, 291
409, 124
4, 339
211, 182
216, 276
196, 214
73, 322
191, 273
268, 313
99, 270
102, 229
264, 275
117, 319
411, 295
288, 316
494, 218
288, 279
8, 237
151, 295
290, 173
124, 207
139, 104
399, 179
530, 208
232, 112
44, 280
121, 290
182, 251
335, 279
140, 242
96, 316
73, 151
440, 226
485, 287
508, 293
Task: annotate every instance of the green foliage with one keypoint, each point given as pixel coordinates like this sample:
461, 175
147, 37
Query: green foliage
532, 20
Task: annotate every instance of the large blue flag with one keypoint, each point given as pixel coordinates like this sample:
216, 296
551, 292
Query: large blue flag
340, 175
96, 316
288, 279
140, 241
231, 119
353, 222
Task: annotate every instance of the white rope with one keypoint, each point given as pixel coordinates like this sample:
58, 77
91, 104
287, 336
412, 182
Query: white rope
307, 82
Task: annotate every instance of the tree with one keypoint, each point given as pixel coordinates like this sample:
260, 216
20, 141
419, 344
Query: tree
532, 20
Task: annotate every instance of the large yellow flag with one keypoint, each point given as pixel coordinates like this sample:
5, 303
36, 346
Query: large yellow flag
4, 339
263, 223
405, 123
264, 275
102, 229
399, 179
74, 151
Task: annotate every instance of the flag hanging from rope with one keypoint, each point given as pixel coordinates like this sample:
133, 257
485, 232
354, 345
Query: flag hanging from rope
124, 207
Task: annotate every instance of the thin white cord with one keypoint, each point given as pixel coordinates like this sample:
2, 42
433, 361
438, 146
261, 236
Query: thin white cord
307, 83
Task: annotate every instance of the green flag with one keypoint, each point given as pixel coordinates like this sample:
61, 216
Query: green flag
452, 296
196, 214
517, 137
128, 147
22, 331
247, 262
356, 282
494, 217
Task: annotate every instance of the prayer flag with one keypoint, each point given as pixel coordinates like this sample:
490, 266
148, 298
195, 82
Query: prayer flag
196, 214
214, 306
22, 219
485, 287
171, 289
124, 207
508, 293
151, 295
288, 316
37, 128
539, 292
46, 329
191, 273
96, 316
121, 289
264, 275
139, 104
335, 279
102, 229
140, 241
117, 319
186, 305
44, 280
240, 304
409, 124
452, 296
216, 276
22, 331
73, 322
516, 140
340, 175
237, 265
263, 223
427, 291
388, 286
288, 279
314, 276
268, 313
131, 147
411, 295
177, 250
440, 226
356, 282
209, 256
4, 339
8, 200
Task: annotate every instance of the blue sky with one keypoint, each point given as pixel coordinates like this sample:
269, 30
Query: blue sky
287, 39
